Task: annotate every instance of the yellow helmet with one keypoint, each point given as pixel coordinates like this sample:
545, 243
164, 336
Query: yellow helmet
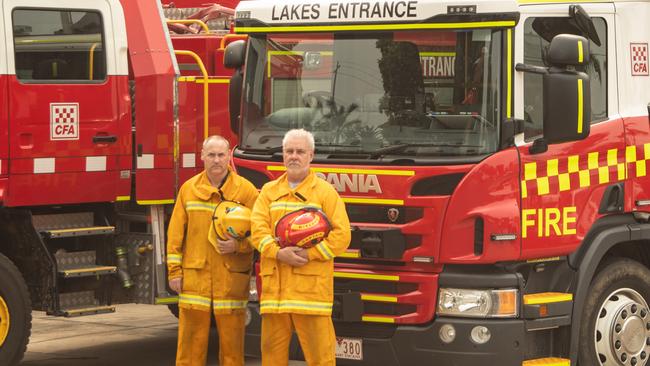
230, 220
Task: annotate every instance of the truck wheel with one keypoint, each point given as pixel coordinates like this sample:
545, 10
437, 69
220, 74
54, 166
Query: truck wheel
615, 326
15, 313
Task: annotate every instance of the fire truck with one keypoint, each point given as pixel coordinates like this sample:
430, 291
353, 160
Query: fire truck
105, 110
492, 155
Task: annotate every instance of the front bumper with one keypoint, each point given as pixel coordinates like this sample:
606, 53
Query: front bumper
419, 345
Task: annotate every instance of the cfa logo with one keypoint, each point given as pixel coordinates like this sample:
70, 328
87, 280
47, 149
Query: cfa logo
353, 183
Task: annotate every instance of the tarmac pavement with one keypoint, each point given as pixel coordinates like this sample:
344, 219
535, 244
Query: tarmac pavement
135, 335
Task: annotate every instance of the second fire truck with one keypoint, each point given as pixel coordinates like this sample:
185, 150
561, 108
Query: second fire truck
493, 156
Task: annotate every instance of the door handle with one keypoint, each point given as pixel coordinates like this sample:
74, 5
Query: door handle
99, 139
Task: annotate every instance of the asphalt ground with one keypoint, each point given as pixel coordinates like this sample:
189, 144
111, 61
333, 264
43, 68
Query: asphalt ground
135, 335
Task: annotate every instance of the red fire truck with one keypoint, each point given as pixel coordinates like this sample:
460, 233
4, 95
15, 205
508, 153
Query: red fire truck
102, 124
493, 158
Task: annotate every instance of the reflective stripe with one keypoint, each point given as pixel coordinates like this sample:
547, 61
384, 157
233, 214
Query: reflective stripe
229, 304
405, 173
174, 258
580, 52
292, 206
156, 202
44, 165
366, 276
377, 319
374, 201
264, 242
200, 206
580, 111
509, 81
195, 300
296, 305
381, 27
324, 250
95, 163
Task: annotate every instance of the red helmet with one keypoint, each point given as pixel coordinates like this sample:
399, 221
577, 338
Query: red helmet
302, 228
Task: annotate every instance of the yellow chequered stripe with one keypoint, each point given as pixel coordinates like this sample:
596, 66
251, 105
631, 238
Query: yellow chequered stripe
581, 171
174, 258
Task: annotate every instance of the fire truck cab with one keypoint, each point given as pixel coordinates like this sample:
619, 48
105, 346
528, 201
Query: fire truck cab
493, 159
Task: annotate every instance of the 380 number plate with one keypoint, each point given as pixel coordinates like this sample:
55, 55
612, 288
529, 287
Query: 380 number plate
349, 348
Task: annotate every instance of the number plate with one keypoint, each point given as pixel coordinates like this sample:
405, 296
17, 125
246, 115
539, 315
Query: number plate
349, 348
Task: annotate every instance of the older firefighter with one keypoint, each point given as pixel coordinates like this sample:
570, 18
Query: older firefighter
209, 276
297, 284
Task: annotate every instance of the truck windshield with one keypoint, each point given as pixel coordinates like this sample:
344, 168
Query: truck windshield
415, 93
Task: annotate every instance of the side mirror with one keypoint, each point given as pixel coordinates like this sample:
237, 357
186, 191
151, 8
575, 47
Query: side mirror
567, 97
233, 58
235, 55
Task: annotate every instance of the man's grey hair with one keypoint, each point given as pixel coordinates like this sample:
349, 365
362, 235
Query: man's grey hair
215, 138
299, 133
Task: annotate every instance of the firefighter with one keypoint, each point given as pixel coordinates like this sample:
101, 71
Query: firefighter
209, 277
297, 284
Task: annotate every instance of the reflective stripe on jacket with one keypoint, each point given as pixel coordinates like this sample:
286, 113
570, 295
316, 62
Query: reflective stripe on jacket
307, 289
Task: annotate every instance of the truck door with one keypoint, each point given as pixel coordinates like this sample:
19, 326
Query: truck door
562, 187
68, 106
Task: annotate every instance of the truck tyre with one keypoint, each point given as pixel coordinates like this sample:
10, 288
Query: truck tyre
615, 325
15, 314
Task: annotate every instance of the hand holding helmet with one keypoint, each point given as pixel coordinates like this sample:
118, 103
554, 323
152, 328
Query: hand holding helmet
230, 220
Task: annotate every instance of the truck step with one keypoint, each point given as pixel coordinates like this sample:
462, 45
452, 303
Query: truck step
84, 271
81, 303
80, 231
80, 264
547, 361
89, 310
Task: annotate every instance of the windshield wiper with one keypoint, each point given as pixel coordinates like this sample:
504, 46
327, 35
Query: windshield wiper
401, 147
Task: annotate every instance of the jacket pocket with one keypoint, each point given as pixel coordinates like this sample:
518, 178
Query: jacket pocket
307, 279
239, 262
238, 285
270, 279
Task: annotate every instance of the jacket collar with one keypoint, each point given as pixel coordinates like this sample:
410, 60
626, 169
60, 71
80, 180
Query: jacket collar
204, 190
282, 187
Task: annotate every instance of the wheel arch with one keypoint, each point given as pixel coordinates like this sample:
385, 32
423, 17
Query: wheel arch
611, 236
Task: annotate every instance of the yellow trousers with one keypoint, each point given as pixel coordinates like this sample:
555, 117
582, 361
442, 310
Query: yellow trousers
315, 333
194, 331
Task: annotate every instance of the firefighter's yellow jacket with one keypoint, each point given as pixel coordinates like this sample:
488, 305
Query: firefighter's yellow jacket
210, 280
307, 289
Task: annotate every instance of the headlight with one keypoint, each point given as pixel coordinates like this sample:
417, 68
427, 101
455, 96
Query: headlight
252, 290
478, 303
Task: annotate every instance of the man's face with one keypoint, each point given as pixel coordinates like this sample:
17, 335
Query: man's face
215, 158
297, 155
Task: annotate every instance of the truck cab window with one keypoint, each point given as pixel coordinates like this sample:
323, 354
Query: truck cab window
537, 34
55, 45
